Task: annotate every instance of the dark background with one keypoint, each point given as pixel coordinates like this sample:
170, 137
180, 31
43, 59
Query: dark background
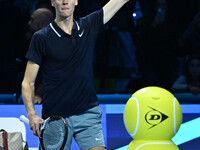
127, 49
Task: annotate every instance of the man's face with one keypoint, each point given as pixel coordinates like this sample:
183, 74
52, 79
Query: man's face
34, 22
64, 8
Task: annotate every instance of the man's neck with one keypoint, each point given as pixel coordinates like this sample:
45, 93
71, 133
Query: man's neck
65, 24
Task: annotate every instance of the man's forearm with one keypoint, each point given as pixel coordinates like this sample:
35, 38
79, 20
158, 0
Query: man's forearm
28, 95
111, 8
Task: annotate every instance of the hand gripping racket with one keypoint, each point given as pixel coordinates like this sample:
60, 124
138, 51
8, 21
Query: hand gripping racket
54, 132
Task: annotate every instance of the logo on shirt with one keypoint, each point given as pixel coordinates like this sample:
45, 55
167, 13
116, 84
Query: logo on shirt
97, 139
80, 35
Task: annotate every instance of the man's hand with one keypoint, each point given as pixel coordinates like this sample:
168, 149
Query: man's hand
37, 99
34, 122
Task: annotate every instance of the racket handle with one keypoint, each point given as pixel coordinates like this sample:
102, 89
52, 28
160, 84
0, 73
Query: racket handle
24, 119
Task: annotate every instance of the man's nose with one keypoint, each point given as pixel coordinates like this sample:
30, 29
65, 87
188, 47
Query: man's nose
65, 1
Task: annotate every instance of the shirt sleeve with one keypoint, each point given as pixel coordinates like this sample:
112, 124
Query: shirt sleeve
95, 20
36, 49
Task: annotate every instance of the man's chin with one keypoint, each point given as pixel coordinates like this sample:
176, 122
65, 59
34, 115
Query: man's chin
66, 15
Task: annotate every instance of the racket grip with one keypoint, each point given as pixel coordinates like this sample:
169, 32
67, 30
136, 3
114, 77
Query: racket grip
24, 119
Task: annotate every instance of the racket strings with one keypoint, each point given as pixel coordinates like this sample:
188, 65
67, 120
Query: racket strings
53, 134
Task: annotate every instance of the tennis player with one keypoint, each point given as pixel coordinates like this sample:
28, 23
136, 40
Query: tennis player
64, 52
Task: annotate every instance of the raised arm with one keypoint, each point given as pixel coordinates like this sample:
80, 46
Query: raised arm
28, 96
111, 8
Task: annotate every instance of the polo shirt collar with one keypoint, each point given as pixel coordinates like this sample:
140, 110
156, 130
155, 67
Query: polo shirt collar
59, 31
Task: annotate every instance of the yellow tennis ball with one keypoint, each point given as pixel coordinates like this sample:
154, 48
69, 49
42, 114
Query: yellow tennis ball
152, 113
152, 145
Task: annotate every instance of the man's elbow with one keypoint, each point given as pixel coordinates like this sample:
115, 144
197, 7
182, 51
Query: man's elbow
26, 85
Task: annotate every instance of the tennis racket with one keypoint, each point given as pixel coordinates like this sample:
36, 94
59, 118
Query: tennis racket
54, 132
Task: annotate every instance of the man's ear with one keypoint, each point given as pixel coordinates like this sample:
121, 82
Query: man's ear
52, 3
76, 2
